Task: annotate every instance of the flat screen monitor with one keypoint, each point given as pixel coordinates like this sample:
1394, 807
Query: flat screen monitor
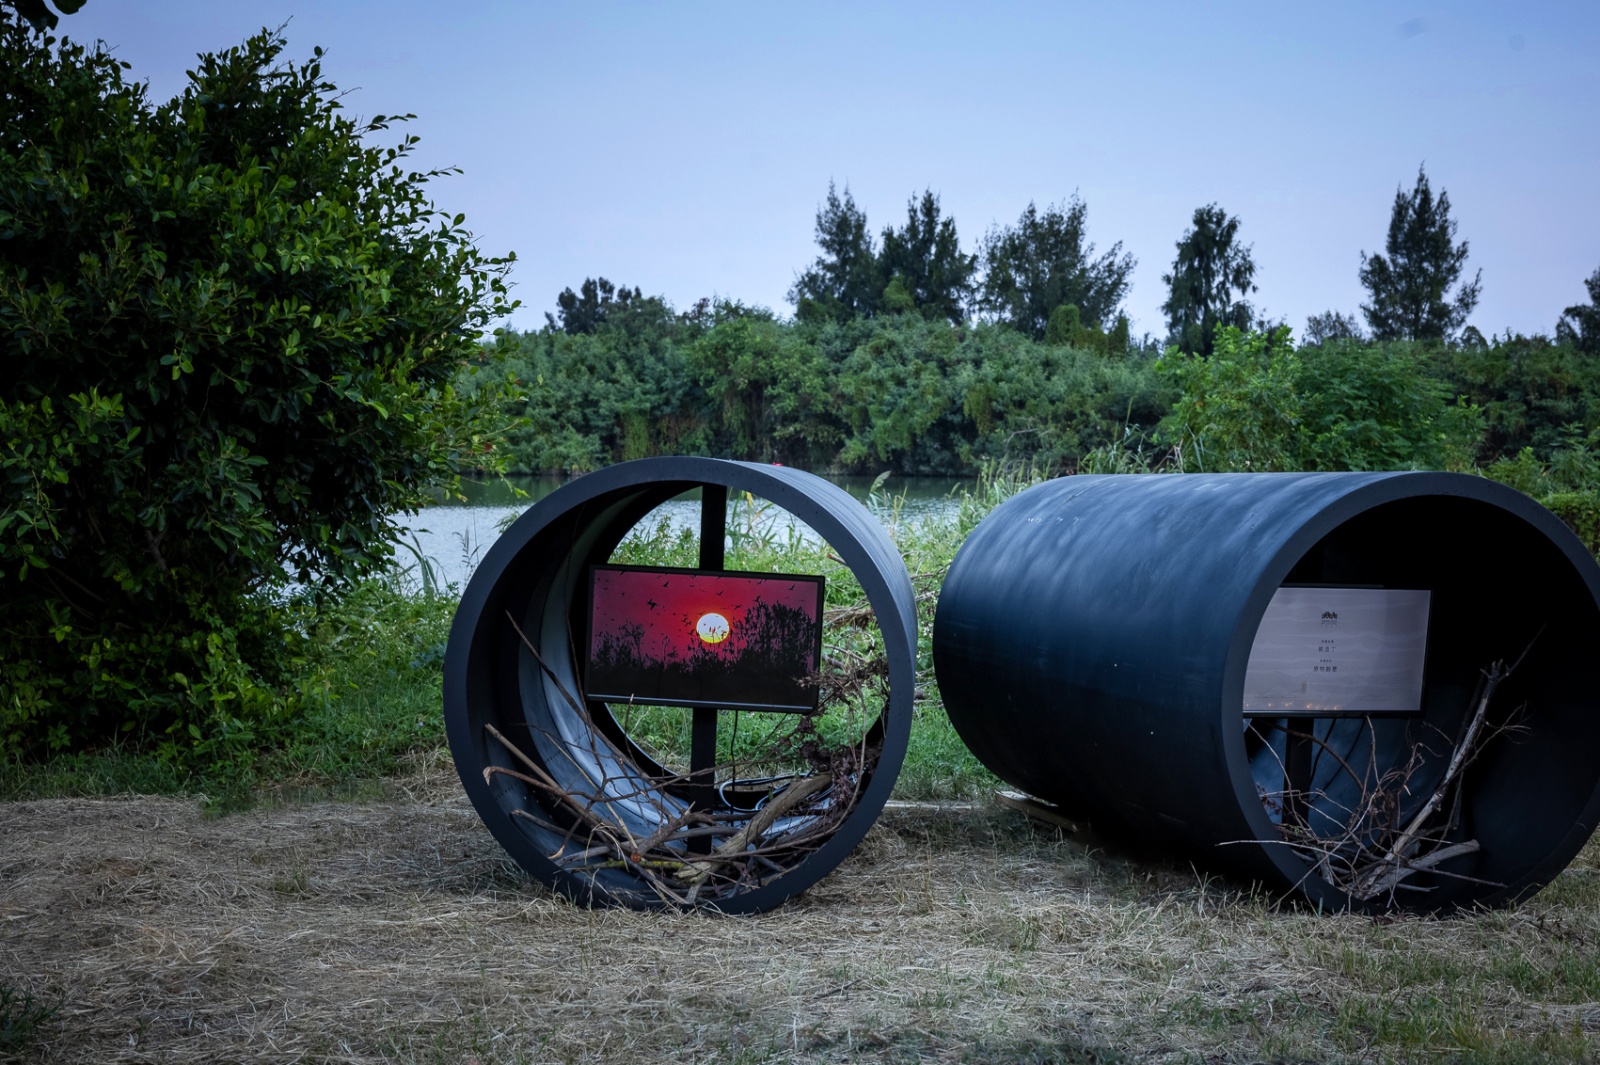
1339, 652
714, 638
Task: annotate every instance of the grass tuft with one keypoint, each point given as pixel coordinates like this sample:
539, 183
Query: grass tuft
22, 1019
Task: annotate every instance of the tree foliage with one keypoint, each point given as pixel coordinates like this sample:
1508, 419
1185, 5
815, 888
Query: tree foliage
592, 305
1210, 267
1332, 325
925, 256
1259, 405
232, 330
1536, 395
1580, 324
38, 13
846, 280
1046, 262
901, 392
1410, 287
623, 391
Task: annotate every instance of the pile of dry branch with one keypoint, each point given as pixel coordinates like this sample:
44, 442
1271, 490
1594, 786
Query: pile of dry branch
1377, 847
698, 853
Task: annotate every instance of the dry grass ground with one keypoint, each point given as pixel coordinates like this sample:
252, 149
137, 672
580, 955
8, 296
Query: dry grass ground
397, 931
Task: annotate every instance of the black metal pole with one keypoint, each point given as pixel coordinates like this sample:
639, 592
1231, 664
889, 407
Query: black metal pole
703, 730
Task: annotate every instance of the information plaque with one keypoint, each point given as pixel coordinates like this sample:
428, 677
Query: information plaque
1332, 652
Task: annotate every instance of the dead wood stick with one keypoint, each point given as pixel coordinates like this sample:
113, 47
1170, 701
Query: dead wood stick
776, 807
516, 752
585, 814
582, 856
562, 688
1393, 873
1459, 757
585, 810
583, 715
597, 828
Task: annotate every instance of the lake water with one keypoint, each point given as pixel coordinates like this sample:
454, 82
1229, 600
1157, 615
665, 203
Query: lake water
455, 535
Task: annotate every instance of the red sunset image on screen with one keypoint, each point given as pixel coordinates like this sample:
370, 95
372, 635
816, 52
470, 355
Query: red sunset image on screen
683, 637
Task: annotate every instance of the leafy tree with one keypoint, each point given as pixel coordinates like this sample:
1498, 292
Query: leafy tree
38, 13
623, 391
1238, 410
1044, 262
893, 393
1580, 324
1210, 267
846, 280
925, 256
232, 330
1256, 404
1410, 288
1045, 404
1332, 325
1364, 408
1534, 394
1067, 327
588, 309
765, 381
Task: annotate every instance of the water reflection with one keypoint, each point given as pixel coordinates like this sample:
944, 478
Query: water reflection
454, 535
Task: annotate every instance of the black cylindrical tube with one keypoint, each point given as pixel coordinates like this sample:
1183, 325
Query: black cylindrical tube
510, 668
1093, 634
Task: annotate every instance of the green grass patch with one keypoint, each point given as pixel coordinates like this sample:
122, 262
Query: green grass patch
22, 1018
370, 694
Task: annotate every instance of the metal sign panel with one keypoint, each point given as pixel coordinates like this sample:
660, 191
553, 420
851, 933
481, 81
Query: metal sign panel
1326, 652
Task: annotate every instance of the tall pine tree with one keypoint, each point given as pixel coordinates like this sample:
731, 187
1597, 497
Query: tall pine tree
1410, 286
1210, 267
1045, 262
925, 256
845, 281
1580, 325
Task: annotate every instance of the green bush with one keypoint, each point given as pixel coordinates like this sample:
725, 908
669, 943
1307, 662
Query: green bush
1259, 404
1533, 393
22, 1016
620, 390
1239, 409
895, 391
1581, 512
232, 331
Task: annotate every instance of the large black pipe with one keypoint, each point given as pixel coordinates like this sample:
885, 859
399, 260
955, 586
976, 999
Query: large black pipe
1093, 634
533, 579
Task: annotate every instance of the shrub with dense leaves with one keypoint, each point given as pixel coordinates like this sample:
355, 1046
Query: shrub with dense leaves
1258, 404
232, 329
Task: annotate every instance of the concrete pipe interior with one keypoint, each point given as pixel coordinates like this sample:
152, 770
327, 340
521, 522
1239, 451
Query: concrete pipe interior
513, 679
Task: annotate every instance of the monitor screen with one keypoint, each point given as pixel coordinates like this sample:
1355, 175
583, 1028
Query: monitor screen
683, 637
1329, 652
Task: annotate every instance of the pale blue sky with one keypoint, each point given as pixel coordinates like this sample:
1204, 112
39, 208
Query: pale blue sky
685, 147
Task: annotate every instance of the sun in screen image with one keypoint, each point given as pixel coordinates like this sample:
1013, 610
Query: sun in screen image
712, 628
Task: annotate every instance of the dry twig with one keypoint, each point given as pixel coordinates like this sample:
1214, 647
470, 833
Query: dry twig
1371, 853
